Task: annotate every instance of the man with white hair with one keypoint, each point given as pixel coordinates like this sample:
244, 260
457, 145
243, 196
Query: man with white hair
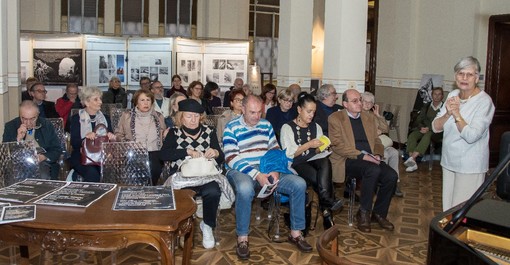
326, 105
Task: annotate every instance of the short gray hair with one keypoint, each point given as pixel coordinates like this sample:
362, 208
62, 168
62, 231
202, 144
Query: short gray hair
466, 62
87, 92
323, 91
367, 96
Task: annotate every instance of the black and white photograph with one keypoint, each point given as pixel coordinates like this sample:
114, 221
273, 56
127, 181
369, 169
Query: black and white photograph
150, 64
103, 76
224, 69
58, 66
189, 67
102, 62
135, 74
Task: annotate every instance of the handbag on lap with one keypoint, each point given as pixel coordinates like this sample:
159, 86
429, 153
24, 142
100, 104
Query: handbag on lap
91, 150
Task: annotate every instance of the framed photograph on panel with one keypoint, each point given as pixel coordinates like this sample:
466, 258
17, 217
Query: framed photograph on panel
225, 68
189, 67
58, 66
103, 65
155, 65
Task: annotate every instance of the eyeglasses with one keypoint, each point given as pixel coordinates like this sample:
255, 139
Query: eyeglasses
41, 91
356, 100
466, 75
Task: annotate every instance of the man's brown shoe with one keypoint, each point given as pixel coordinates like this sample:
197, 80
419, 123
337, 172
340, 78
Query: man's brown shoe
301, 243
363, 219
243, 250
383, 222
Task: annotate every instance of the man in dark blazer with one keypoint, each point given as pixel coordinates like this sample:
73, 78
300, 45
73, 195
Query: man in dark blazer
326, 105
30, 127
358, 152
46, 108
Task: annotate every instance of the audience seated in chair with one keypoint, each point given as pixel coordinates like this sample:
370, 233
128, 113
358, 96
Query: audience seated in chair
190, 137
281, 113
236, 109
161, 104
300, 139
46, 108
357, 151
173, 108
145, 125
30, 127
245, 140
25, 95
82, 126
116, 93
211, 91
67, 102
421, 135
196, 92
176, 87
238, 85
391, 155
326, 105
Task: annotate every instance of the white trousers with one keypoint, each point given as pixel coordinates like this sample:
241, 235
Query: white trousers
459, 187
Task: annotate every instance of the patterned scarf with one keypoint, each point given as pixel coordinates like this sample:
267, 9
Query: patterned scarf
86, 121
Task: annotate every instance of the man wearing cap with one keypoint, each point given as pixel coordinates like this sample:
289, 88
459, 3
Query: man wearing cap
245, 140
30, 127
189, 137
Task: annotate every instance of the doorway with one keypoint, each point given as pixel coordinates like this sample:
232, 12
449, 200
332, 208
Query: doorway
497, 84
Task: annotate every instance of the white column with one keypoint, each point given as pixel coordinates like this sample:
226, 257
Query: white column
226, 19
345, 30
154, 17
9, 60
295, 43
109, 18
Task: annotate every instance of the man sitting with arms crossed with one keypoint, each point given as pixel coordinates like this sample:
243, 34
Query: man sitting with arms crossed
30, 127
357, 152
245, 140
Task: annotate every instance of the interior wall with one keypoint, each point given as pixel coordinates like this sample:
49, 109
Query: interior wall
416, 37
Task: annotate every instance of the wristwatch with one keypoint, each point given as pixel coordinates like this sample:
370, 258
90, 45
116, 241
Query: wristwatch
458, 119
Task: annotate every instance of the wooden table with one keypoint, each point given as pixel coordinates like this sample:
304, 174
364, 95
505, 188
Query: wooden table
97, 227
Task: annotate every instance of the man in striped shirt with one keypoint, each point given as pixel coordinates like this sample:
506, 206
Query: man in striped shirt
245, 140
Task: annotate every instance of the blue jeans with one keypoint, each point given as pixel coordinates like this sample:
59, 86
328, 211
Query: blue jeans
244, 186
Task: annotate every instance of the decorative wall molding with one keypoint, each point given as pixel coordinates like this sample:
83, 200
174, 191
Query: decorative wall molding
414, 83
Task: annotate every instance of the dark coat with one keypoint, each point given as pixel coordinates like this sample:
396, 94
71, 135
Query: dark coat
321, 117
109, 97
49, 110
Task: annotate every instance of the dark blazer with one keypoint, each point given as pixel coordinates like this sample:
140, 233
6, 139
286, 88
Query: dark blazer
49, 109
342, 141
321, 117
45, 136
25, 96
109, 97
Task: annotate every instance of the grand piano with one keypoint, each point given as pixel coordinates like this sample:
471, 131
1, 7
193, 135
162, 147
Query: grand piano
478, 231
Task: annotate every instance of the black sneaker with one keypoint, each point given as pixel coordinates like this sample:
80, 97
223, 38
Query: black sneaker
398, 192
243, 250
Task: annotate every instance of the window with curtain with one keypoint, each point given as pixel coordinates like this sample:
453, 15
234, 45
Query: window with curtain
83, 15
177, 17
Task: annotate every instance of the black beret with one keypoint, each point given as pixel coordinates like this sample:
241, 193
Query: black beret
190, 105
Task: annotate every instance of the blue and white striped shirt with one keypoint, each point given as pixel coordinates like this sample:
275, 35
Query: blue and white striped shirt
244, 145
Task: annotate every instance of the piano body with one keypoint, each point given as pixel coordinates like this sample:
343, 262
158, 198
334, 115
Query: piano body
483, 237
476, 232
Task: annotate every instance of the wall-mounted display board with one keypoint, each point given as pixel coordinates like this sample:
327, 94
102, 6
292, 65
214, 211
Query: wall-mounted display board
155, 65
151, 58
189, 67
58, 66
103, 65
224, 68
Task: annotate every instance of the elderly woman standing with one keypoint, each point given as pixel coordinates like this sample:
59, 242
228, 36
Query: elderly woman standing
82, 126
465, 118
190, 137
145, 125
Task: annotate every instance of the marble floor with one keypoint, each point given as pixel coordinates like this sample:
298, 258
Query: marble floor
411, 216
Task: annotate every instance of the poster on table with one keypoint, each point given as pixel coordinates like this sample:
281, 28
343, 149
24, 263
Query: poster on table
189, 67
58, 66
155, 65
224, 68
103, 65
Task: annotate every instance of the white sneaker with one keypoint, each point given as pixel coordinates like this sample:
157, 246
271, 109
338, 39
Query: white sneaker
412, 168
207, 236
410, 162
